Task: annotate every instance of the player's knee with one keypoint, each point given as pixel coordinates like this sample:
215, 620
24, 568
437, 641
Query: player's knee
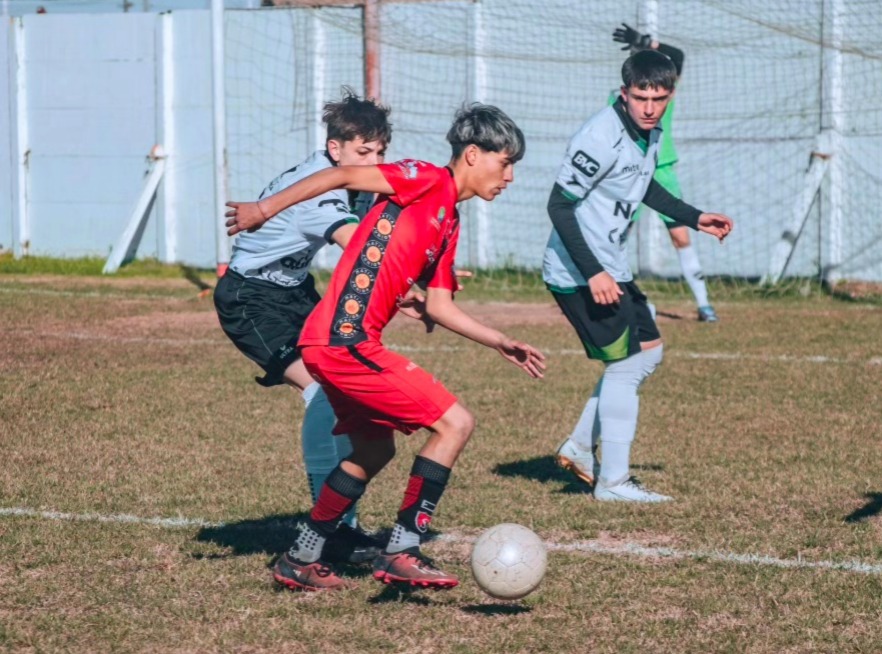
652, 359
458, 423
371, 454
679, 237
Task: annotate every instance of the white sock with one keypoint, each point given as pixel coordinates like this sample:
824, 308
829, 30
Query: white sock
691, 267
618, 409
587, 429
322, 451
402, 539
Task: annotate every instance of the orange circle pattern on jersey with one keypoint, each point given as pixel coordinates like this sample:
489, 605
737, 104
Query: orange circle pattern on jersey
374, 254
350, 310
352, 307
362, 281
384, 226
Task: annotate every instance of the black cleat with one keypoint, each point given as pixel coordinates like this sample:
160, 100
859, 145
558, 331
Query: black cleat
348, 545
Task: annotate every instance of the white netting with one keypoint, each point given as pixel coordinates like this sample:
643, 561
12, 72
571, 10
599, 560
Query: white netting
758, 87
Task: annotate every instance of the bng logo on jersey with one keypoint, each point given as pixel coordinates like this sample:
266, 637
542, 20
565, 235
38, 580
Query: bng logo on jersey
586, 164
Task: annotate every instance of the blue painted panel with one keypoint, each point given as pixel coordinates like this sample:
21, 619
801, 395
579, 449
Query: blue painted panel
81, 131
91, 121
90, 38
83, 229
97, 85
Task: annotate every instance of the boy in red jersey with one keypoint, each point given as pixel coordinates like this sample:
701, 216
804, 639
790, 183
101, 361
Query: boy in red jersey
408, 238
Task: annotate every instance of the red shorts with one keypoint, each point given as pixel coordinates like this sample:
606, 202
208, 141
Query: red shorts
374, 391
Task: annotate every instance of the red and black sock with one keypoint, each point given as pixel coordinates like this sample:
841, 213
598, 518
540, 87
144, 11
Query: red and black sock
427, 482
339, 492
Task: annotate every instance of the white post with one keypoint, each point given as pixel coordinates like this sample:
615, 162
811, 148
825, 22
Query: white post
222, 243
21, 231
315, 128
165, 85
833, 121
651, 232
479, 210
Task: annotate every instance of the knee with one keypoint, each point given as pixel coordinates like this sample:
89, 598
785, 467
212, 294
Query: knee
679, 237
457, 424
372, 455
652, 359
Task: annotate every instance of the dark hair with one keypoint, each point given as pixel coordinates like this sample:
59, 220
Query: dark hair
352, 117
489, 128
649, 68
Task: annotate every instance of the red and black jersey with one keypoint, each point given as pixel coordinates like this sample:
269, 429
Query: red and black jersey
408, 237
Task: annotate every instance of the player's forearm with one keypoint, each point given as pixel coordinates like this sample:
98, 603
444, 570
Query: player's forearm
676, 55
562, 212
306, 189
657, 197
352, 178
443, 311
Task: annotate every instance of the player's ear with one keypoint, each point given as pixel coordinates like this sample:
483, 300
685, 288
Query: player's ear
333, 147
471, 154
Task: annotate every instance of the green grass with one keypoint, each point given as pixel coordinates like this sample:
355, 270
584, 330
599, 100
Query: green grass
122, 396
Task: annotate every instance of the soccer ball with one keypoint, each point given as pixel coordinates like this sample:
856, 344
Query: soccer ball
508, 561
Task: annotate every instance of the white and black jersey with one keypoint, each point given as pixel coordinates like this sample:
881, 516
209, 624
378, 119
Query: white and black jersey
606, 174
282, 250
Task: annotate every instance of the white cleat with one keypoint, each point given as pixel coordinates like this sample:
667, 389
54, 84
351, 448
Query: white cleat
571, 456
627, 490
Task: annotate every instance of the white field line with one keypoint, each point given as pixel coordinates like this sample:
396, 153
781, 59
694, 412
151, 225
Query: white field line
410, 349
577, 547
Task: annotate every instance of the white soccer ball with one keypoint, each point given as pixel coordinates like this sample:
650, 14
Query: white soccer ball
508, 561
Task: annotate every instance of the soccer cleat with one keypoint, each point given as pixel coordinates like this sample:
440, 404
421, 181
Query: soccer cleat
580, 462
290, 572
707, 314
412, 568
351, 545
627, 490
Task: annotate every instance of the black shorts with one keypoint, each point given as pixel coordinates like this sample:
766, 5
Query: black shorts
609, 332
264, 320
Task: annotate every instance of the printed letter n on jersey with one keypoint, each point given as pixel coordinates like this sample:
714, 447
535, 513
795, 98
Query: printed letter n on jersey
586, 164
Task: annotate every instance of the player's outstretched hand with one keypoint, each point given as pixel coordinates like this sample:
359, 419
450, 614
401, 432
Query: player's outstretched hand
715, 224
413, 305
244, 217
604, 288
526, 357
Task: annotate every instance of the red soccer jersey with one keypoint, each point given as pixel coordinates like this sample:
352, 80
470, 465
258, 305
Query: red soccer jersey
407, 237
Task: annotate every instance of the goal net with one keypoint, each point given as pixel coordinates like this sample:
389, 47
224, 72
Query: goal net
767, 89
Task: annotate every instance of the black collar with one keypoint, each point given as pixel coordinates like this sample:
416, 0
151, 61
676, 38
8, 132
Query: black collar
328, 157
634, 132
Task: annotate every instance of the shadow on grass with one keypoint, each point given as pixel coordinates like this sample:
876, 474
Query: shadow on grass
496, 609
650, 467
543, 469
192, 276
868, 510
670, 315
401, 594
270, 535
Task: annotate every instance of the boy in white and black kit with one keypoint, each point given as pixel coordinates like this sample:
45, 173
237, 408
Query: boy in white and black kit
267, 293
606, 174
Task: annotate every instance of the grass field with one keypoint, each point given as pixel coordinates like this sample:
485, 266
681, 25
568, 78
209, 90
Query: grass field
121, 402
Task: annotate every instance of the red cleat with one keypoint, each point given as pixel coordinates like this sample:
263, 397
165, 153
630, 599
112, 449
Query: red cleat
412, 568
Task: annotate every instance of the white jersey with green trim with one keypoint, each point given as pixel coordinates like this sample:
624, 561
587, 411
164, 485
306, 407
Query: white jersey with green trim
282, 250
606, 172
